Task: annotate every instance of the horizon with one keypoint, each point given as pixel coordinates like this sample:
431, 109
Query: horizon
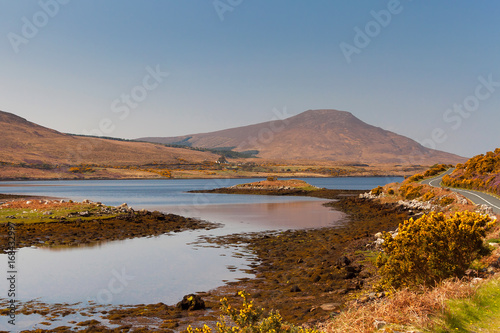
149, 69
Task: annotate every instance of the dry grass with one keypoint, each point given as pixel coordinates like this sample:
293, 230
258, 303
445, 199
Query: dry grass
404, 308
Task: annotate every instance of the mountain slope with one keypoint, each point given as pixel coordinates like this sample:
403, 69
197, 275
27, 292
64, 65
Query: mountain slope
24, 141
318, 135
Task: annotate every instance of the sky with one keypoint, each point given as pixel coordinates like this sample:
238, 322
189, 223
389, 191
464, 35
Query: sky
428, 70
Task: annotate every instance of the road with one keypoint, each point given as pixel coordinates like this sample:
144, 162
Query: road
479, 198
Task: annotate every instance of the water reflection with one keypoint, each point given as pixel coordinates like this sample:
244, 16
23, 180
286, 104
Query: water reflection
265, 216
156, 269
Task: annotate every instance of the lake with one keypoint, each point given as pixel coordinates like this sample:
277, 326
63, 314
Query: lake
164, 268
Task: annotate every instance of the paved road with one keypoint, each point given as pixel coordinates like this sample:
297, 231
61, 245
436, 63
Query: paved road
476, 197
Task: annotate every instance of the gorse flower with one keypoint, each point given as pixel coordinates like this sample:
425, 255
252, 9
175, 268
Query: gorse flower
432, 248
249, 319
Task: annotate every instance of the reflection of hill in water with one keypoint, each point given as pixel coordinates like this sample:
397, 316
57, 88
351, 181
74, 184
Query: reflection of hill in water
268, 216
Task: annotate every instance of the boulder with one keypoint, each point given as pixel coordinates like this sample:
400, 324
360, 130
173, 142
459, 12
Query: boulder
343, 261
191, 302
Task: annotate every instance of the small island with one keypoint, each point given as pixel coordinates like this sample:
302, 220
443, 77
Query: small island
270, 186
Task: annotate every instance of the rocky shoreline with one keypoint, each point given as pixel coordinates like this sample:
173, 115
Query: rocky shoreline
87, 223
305, 274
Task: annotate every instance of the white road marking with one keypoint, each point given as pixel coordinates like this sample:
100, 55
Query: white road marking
460, 190
489, 203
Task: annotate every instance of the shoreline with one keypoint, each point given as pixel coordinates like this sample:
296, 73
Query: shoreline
187, 178
323, 281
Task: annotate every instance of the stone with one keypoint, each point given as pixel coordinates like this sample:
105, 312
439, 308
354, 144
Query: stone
343, 261
379, 324
191, 302
330, 306
295, 289
496, 263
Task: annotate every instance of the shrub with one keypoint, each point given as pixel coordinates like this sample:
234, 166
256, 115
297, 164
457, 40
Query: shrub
410, 191
432, 248
249, 319
481, 172
390, 191
446, 201
377, 191
428, 196
415, 178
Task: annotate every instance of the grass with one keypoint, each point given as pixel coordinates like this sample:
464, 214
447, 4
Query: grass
480, 313
35, 215
403, 310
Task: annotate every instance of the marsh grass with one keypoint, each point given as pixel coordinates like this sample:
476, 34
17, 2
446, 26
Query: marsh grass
479, 313
403, 309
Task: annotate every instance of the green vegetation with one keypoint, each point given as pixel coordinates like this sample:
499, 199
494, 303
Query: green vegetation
480, 313
432, 248
482, 172
67, 212
249, 319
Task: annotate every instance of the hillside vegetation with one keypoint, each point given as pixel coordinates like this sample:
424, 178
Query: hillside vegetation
482, 172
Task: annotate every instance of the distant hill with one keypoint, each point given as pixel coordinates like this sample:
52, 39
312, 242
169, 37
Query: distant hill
318, 135
481, 172
22, 141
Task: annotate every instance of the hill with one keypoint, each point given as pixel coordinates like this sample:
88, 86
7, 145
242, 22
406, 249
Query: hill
25, 142
481, 172
318, 135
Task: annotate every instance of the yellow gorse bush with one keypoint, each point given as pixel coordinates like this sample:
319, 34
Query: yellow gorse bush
248, 319
432, 248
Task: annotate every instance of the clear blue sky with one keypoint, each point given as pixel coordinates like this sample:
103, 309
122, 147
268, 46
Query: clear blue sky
70, 65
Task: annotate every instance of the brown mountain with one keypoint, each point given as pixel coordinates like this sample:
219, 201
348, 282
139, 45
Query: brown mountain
318, 135
24, 141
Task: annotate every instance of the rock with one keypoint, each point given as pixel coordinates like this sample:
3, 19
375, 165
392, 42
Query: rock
86, 201
343, 261
496, 263
330, 306
48, 213
363, 299
84, 214
379, 235
29, 202
191, 302
123, 205
476, 280
295, 289
495, 245
379, 324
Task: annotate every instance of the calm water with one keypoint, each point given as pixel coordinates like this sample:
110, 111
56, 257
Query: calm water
164, 268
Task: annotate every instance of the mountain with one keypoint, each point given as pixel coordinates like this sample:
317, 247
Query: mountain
318, 135
24, 141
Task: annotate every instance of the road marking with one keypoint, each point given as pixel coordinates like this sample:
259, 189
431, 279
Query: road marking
489, 203
430, 182
460, 190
